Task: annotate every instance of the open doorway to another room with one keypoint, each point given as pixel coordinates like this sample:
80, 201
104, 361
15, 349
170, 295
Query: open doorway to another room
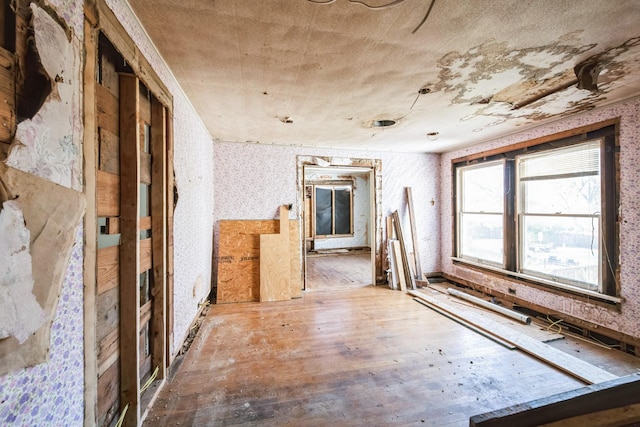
338, 214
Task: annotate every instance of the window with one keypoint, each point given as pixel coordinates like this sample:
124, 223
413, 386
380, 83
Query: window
481, 214
333, 206
545, 212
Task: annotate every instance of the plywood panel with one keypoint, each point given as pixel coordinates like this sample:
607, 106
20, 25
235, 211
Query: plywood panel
109, 152
107, 264
107, 106
108, 194
274, 267
239, 259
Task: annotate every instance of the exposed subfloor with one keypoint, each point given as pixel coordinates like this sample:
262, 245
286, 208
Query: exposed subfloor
363, 356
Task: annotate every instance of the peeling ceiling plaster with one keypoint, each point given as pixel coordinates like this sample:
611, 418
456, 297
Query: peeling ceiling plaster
320, 73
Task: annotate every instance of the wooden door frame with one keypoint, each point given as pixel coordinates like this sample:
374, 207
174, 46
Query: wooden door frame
375, 201
100, 19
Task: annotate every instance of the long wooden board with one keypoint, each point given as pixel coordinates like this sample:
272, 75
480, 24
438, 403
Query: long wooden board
414, 235
614, 393
578, 368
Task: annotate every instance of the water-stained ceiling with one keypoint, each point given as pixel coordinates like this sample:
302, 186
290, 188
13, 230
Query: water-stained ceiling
449, 73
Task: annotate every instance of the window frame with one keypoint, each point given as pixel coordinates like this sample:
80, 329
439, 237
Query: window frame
607, 133
332, 187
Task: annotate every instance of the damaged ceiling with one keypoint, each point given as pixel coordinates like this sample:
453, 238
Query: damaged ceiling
441, 73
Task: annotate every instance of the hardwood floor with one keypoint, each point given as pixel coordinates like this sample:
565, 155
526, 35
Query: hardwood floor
364, 356
338, 272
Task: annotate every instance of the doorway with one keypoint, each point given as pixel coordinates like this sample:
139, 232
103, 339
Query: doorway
338, 205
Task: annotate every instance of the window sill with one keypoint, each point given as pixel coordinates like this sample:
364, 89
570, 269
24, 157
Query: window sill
546, 283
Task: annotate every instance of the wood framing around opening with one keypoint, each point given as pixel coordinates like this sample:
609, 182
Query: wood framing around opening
99, 21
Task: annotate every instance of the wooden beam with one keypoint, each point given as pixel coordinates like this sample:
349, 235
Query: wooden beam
614, 393
565, 362
90, 156
129, 249
159, 236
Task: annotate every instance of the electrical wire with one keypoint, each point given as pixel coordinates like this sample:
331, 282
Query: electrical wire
382, 6
425, 17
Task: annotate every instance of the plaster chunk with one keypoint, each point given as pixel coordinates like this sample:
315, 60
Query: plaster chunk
20, 313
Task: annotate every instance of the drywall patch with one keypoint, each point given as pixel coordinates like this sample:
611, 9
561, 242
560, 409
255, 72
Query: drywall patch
47, 145
20, 313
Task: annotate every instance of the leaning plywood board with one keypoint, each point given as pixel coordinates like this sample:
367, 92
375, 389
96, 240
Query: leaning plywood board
238, 259
274, 267
578, 368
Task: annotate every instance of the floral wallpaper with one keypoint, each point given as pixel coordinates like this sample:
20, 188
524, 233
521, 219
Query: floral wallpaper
51, 394
626, 320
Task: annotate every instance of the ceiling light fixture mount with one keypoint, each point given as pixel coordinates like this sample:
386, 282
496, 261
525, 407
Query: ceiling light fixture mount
432, 136
383, 123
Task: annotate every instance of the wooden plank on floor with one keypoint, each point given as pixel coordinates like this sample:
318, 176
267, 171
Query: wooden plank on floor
572, 365
593, 398
410, 279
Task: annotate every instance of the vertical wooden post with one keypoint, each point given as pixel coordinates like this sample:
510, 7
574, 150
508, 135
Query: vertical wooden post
158, 229
90, 226
170, 206
129, 248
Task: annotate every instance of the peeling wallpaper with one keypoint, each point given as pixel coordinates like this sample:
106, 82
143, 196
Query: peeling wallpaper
253, 180
627, 320
193, 165
51, 393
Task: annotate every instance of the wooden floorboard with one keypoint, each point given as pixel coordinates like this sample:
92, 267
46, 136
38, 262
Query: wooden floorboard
364, 356
338, 271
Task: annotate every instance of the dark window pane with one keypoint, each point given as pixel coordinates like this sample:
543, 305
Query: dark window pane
323, 211
343, 211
